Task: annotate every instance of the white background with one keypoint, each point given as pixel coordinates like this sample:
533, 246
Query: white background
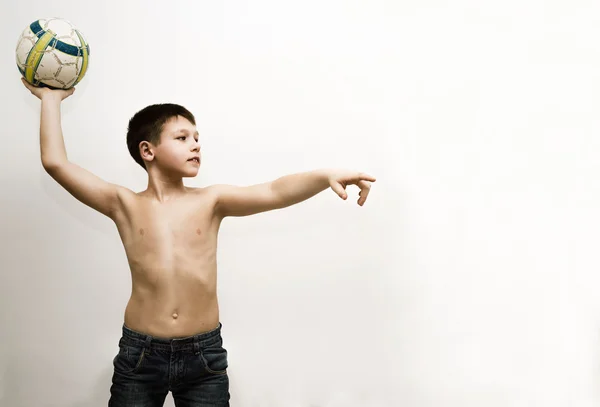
469, 278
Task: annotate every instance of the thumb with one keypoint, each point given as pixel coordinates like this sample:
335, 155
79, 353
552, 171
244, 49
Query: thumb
339, 189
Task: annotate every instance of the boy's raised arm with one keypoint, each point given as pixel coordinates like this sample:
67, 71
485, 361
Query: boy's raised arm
82, 184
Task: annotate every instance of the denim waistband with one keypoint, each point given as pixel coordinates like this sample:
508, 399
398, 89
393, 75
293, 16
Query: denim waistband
202, 340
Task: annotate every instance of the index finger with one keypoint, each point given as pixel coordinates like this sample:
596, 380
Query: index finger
366, 177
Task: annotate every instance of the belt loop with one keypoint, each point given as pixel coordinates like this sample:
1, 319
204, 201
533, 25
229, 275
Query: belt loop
147, 343
196, 345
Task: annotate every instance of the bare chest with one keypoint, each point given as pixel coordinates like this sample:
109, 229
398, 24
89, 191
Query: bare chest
175, 229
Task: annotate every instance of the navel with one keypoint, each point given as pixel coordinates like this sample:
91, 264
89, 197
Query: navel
198, 232
141, 231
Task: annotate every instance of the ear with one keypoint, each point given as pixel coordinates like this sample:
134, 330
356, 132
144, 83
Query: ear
146, 151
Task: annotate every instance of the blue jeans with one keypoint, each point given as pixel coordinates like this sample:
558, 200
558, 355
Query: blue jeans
146, 368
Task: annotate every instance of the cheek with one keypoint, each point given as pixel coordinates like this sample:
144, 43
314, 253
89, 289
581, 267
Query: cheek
172, 155
178, 151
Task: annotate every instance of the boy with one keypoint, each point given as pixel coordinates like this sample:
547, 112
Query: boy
171, 332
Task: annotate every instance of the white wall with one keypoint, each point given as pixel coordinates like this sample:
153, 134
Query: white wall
469, 279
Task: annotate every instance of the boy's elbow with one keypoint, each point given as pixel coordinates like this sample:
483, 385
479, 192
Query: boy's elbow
51, 166
275, 197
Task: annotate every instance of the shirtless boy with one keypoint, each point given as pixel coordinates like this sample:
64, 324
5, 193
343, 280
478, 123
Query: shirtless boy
171, 332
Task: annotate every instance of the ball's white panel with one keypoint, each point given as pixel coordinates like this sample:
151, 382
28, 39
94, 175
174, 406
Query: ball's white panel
62, 58
67, 74
48, 68
24, 45
59, 26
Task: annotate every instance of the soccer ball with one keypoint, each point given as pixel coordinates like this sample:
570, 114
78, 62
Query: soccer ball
52, 53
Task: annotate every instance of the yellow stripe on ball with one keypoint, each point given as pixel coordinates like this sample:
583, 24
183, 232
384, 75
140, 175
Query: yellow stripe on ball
85, 58
36, 54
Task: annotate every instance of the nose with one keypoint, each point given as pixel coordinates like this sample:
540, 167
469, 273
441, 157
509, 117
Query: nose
196, 147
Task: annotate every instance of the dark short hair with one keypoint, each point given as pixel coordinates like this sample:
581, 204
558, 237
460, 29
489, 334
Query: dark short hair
148, 123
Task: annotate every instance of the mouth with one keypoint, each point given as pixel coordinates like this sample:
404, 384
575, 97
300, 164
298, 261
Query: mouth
195, 160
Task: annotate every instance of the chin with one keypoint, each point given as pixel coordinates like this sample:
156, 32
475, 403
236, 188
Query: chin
191, 174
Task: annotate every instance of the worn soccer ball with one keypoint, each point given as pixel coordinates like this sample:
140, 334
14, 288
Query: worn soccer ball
52, 53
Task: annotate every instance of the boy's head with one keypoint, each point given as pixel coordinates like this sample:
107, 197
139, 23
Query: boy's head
166, 136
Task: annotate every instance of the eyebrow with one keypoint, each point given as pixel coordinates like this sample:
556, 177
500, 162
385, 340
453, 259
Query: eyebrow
186, 131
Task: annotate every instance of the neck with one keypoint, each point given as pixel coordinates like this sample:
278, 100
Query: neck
164, 188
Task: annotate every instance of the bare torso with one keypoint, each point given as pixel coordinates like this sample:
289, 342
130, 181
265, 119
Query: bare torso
171, 248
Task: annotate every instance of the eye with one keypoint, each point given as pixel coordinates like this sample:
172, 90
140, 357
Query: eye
181, 138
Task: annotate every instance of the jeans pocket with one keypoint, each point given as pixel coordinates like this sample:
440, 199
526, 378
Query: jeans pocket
214, 360
129, 359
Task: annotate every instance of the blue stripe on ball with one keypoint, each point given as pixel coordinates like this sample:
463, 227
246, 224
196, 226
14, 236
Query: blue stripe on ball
36, 28
69, 49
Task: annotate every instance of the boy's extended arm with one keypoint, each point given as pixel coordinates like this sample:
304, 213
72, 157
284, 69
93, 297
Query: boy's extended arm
82, 184
287, 191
